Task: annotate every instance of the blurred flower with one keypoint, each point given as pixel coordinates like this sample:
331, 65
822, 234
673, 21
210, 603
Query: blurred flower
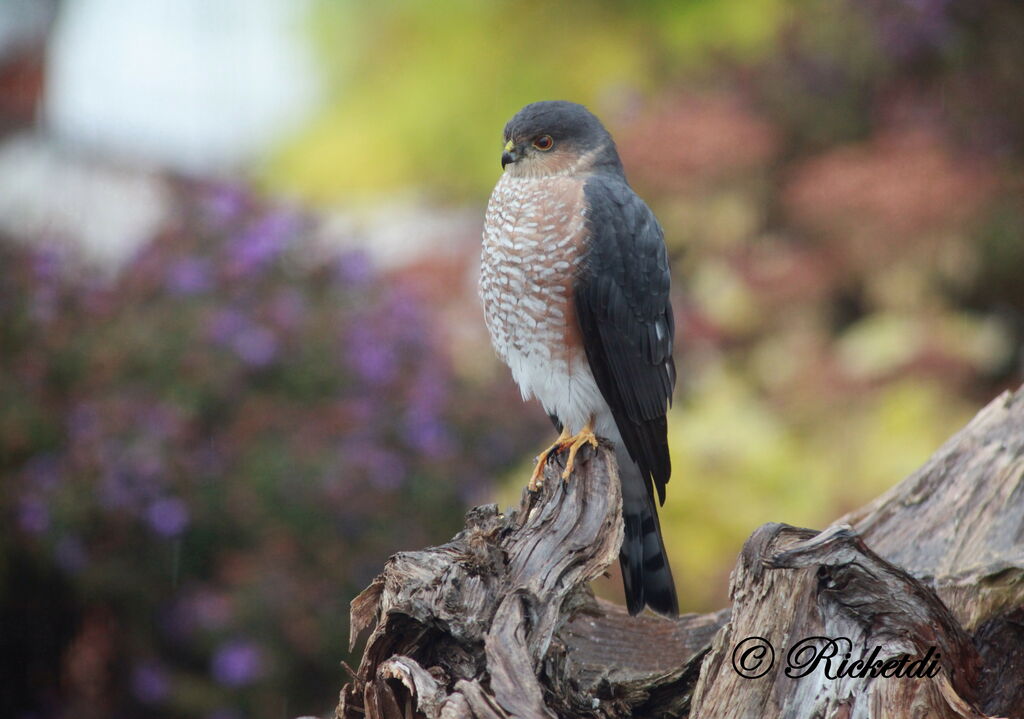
425, 433
262, 242
33, 515
47, 263
424, 429
373, 360
700, 139
911, 185
150, 684
127, 433
161, 420
119, 489
237, 663
168, 516
353, 269
255, 345
189, 276
225, 204
225, 324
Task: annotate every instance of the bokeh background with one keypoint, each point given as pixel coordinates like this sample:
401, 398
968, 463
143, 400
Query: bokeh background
241, 356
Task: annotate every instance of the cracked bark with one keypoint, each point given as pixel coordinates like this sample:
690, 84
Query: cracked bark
500, 622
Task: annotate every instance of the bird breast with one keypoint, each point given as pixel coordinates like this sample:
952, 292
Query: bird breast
532, 244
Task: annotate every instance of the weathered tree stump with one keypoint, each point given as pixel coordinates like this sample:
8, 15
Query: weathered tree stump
925, 585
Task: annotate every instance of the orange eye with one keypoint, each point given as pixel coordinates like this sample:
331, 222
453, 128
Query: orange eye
544, 143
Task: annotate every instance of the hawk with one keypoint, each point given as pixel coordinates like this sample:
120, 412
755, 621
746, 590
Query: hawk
575, 288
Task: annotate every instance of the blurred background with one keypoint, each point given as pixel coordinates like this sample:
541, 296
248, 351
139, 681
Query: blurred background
242, 360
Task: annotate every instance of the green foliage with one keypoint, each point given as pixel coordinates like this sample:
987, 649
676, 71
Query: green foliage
422, 90
739, 462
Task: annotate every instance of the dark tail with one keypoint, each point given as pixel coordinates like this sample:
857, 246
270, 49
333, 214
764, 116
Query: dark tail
646, 575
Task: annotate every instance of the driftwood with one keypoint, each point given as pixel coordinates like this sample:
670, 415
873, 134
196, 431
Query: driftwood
925, 585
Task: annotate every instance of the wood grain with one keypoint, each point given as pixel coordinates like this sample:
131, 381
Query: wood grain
500, 621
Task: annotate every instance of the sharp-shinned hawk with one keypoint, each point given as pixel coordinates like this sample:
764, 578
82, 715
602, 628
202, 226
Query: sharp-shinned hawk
575, 287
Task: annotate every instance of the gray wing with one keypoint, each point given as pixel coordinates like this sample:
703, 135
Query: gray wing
621, 296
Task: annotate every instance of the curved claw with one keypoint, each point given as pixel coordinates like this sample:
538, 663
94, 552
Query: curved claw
585, 437
537, 478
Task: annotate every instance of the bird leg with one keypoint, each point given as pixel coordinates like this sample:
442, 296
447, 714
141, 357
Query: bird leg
586, 436
537, 478
573, 442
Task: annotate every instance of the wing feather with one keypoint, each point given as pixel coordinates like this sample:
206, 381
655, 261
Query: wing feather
621, 298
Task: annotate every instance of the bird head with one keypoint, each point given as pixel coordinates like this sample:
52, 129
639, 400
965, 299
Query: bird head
557, 138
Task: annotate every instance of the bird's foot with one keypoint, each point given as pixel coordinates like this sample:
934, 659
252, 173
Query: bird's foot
573, 442
537, 478
586, 436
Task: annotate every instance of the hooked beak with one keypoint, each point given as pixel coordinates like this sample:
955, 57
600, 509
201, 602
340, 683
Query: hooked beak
509, 155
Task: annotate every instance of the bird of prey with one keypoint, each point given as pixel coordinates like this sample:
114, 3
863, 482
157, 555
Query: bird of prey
575, 288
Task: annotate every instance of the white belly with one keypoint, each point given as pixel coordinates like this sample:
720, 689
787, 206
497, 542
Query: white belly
565, 389
530, 251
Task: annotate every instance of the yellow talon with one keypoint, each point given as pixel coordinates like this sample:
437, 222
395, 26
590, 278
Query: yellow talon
537, 478
586, 436
574, 442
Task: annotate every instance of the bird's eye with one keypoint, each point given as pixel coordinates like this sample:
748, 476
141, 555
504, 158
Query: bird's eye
544, 143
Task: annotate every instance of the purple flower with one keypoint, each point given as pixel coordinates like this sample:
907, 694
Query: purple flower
384, 468
149, 683
261, 243
424, 429
405, 313
168, 517
161, 421
46, 264
256, 346
189, 276
225, 324
370, 356
237, 663
354, 269
133, 474
33, 515
226, 203
123, 486
426, 433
